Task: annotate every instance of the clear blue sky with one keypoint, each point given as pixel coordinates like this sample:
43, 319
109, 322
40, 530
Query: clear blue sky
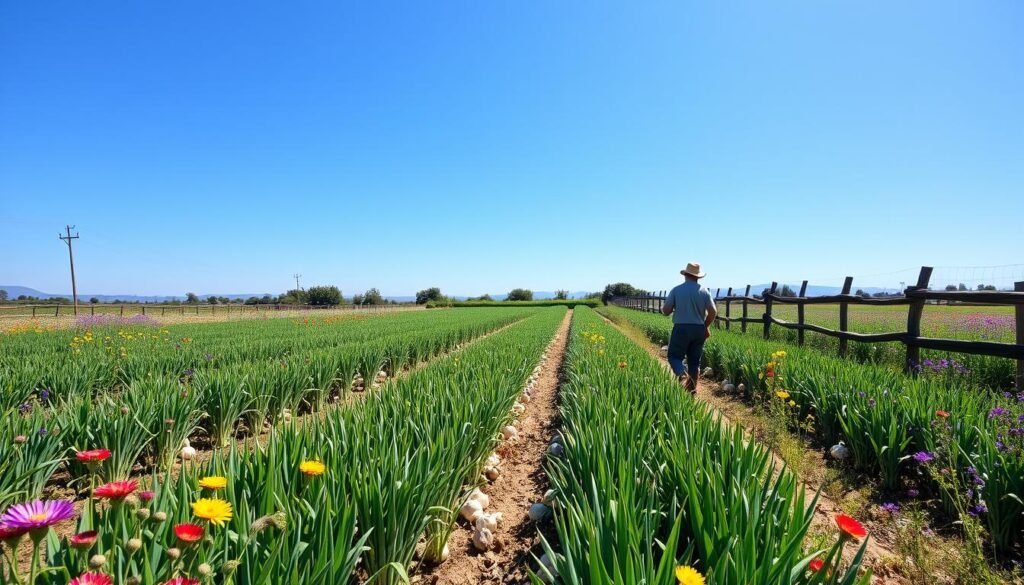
480, 146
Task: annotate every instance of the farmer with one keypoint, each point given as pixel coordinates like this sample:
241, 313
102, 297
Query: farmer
693, 311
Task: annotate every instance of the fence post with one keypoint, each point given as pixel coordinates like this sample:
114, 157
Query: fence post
661, 301
92, 310
33, 311
728, 294
197, 309
914, 321
143, 309
163, 311
768, 310
56, 312
1019, 309
122, 310
844, 317
800, 314
743, 325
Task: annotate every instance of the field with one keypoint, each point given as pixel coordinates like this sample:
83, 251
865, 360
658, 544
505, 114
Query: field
376, 448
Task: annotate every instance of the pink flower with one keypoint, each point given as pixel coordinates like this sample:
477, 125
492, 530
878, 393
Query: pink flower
91, 578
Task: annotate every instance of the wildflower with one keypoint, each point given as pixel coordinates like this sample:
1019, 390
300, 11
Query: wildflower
188, 533
93, 456
215, 510
312, 468
180, 580
92, 578
133, 545
924, 456
97, 561
117, 490
997, 411
10, 533
871, 403
979, 509
941, 414
146, 496
688, 576
622, 365
792, 404
213, 482
850, 528
890, 507
83, 540
913, 493
36, 516
816, 565
782, 394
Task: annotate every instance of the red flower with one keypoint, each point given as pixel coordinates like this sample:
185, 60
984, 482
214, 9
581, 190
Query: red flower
816, 565
188, 533
850, 527
83, 540
11, 532
179, 580
92, 579
94, 456
941, 414
117, 489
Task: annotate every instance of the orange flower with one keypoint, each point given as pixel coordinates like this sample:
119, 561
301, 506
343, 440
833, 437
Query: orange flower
941, 414
850, 527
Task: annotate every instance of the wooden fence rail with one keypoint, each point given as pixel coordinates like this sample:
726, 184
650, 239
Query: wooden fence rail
914, 297
56, 310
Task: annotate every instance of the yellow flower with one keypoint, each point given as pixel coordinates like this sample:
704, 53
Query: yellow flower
215, 510
312, 468
782, 394
213, 482
792, 404
689, 576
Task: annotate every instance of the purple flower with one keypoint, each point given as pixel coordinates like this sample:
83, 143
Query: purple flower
188, 372
924, 456
891, 507
927, 532
25, 407
913, 493
981, 508
38, 514
44, 394
997, 411
43, 431
871, 403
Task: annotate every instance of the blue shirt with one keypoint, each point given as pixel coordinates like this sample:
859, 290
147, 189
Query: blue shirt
691, 303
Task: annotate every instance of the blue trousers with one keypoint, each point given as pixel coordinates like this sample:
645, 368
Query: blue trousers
687, 341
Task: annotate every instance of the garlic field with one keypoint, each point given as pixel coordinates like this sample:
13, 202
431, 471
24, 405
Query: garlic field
353, 450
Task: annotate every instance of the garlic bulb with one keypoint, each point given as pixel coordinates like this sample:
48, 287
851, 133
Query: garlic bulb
539, 512
188, 452
492, 473
556, 449
480, 497
471, 510
488, 521
708, 372
493, 460
509, 433
742, 388
428, 555
483, 539
664, 351
839, 451
518, 409
728, 388
547, 569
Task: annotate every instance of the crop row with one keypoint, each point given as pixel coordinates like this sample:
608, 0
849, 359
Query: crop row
345, 497
653, 488
152, 416
911, 432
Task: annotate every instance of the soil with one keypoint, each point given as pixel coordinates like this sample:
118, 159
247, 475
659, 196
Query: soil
522, 482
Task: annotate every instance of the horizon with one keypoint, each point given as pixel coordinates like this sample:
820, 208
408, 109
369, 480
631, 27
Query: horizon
480, 148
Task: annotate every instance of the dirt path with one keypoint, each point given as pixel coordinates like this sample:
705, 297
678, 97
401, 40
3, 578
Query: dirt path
522, 482
880, 549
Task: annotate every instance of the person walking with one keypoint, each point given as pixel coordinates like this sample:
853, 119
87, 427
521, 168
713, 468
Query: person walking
693, 311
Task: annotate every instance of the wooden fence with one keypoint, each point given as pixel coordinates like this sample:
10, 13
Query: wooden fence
915, 297
56, 310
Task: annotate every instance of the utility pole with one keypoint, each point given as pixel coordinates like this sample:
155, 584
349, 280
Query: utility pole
67, 239
297, 277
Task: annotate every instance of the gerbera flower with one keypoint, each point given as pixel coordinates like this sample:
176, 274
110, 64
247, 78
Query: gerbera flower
117, 490
188, 533
10, 532
850, 527
83, 540
93, 456
179, 580
215, 510
37, 515
312, 468
91, 578
688, 576
213, 482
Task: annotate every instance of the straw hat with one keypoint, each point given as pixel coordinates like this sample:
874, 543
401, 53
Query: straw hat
693, 269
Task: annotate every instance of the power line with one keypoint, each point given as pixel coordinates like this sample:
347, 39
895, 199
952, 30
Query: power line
71, 257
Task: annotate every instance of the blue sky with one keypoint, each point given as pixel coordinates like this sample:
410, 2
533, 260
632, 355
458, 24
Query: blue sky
480, 146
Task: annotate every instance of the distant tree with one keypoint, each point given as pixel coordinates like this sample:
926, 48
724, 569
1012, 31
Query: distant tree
950, 287
373, 297
93, 300
987, 287
323, 295
191, 297
430, 294
357, 299
295, 296
3, 295
520, 294
619, 289
593, 295
863, 293
223, 300
561, 295
211, 300
961, 287
787, 291
483, 297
